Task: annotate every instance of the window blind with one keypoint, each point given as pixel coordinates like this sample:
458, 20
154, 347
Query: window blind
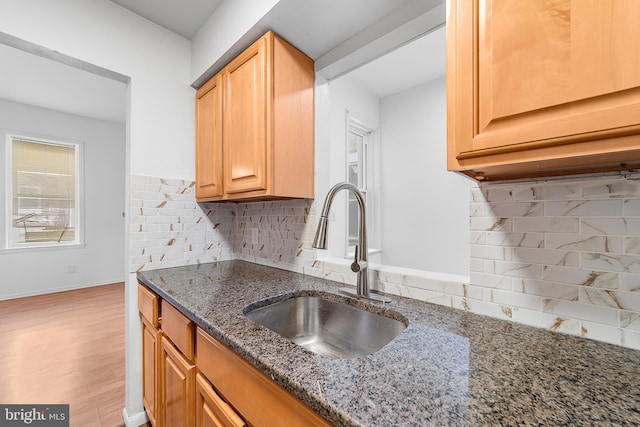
44, 192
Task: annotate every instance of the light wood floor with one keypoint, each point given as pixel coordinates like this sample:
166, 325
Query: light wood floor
66, 347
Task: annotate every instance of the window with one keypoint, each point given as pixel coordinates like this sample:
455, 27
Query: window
361, 173
43, 192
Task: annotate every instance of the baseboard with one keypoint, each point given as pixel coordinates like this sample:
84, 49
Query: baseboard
134, 420
56, 290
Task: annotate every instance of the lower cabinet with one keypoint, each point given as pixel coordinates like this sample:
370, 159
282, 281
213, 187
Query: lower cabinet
211, 410
151, 338
191, 379
177, 387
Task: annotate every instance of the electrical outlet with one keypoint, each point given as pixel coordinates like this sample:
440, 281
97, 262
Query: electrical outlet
71, 269
254, 236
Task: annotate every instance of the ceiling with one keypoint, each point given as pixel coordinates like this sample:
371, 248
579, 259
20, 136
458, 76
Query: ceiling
45, 83
405, 67
184, 17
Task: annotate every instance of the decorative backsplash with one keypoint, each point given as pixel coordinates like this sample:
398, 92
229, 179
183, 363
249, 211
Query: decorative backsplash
285, 231
169, 229
562, 255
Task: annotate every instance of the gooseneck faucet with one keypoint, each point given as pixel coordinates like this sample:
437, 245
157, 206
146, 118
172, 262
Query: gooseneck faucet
360, 264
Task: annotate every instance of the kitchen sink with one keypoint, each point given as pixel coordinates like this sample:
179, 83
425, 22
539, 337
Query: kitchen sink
327, 327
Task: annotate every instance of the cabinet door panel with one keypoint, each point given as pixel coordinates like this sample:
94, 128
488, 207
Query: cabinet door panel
150, 354
178, 328
148, 305
531, 75
245, 120
209, 140
211, 410
260, 401
177, 387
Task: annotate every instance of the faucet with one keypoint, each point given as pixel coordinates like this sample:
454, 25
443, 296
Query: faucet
360, 264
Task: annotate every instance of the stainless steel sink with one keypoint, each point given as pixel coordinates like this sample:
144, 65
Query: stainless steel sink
328, 327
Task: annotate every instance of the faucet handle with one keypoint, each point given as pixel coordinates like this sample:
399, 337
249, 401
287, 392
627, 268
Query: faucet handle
357, 265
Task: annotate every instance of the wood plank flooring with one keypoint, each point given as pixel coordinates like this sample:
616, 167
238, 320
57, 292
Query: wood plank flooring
66, 347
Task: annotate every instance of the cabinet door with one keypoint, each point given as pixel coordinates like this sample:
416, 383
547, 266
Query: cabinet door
535, 81
211, 410
150, 355
255, 396
245, 120
177, 387
209, 140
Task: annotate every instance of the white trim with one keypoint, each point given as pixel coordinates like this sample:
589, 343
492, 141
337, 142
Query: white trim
134, 420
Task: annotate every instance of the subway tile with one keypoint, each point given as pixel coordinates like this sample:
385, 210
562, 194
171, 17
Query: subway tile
546, 257
577, 310
609, 189
584, 242
498, 193
610, 226
631, 207
546, 225
611, 262
630, 320
514, 269
514, 299
554, 191
630, 282
548, 289
581, 277
500, 253
606, 333
631, 245
523, 240
522, 209
608, 298
552, 254
491, 281
490, 224
630, 339
581, 208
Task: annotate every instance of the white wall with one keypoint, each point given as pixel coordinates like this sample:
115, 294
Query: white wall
231, 22
160, 116
424, 208
161, 128
343, 95
425, 213
100, 261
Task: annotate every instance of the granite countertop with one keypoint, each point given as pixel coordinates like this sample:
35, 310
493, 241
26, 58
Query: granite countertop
449, 367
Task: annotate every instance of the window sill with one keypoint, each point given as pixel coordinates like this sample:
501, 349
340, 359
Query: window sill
43, 248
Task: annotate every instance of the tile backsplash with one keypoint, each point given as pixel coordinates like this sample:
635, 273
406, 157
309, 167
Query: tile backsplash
562, 255
167, 228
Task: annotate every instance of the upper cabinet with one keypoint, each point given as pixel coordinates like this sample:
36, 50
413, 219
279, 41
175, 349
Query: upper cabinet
209, 140
254, 136
540, 89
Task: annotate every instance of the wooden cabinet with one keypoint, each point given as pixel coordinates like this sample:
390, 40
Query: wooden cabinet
177, 387
209, 137
200, 382
542, 88
267, 126
150, 355
211, 410
177, 370
148, 305
235, 379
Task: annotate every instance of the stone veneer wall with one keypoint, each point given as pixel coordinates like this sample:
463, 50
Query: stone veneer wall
562, 255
